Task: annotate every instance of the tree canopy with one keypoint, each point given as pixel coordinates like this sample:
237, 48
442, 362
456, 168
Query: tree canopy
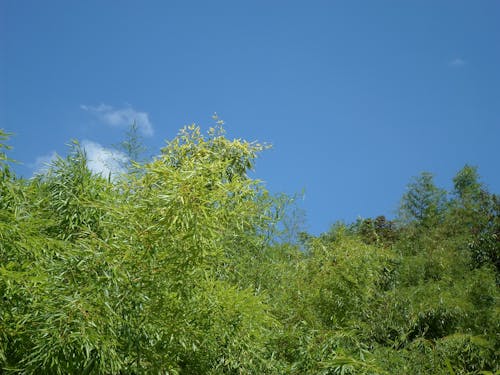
180, 266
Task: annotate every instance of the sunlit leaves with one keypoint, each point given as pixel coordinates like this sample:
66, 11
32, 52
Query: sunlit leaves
179, 267
124, 276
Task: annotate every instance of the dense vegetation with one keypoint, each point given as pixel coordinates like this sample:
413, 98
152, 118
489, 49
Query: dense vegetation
179, 267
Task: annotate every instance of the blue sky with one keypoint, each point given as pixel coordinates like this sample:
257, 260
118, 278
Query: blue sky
355, 96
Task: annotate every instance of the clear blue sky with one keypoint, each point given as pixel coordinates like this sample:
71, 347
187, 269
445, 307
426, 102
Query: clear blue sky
356, 96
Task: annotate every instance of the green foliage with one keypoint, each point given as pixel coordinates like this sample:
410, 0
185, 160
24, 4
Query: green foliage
379, 231
186, 265
423, 203
124, 277
345, 275
4, 136
475, 213
70, 195
5, 173
132, 145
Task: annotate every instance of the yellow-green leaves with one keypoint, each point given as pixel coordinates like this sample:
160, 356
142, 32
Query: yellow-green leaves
108, 277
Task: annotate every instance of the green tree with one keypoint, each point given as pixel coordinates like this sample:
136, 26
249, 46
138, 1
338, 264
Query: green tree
131, 276
475, 216
376, 231
187, 265
133, 147
423, 203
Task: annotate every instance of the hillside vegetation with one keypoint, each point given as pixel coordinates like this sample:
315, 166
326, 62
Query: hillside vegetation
179, 267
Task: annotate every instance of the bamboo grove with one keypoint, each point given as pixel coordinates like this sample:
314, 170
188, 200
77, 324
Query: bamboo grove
182, 266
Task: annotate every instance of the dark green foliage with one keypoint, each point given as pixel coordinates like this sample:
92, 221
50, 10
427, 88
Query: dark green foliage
423, 203
476, 214
378, 231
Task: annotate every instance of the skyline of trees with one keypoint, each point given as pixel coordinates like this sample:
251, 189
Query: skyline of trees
186, 265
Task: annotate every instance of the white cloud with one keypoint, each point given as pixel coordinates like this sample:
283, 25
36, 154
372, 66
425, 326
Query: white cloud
121, 117
42, 163
102, 160
457, 62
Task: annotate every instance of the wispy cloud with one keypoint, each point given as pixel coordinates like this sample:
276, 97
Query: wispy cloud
42, 163
121, 117
457, 62
102, 160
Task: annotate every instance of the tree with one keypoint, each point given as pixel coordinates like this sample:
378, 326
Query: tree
5, 172
466, 184
376, 231
182, 266
423, 203
475, 213
132, 146
130, 276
